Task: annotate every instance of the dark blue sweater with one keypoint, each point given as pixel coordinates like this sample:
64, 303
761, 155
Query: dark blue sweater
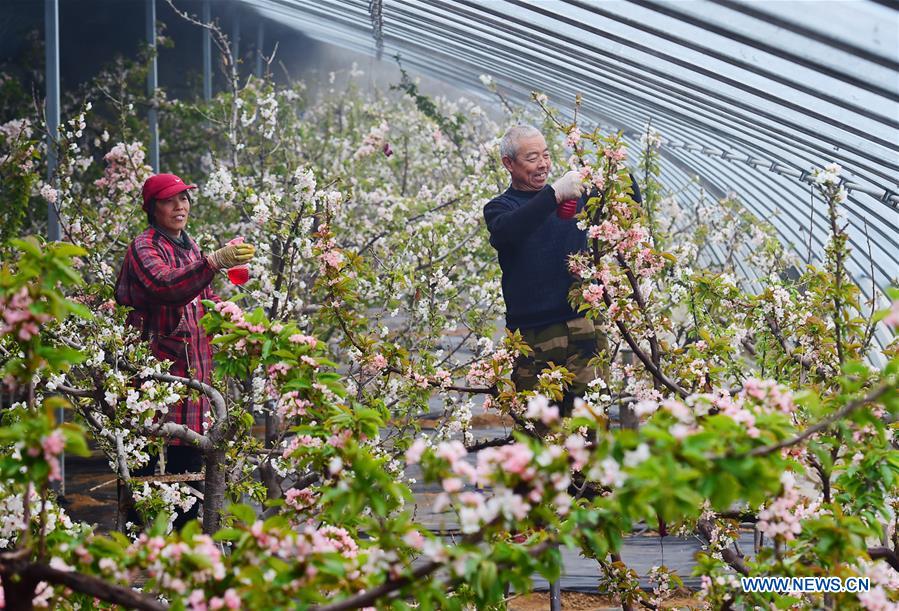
533, 245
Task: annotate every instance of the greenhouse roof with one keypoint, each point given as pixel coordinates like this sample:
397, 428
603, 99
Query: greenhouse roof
749, 96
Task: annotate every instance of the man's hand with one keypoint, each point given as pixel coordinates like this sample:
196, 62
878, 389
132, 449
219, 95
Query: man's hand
229, 256
570, 186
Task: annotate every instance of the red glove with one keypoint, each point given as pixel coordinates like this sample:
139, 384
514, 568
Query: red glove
567, 209
240, 274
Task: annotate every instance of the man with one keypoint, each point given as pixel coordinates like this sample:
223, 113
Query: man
533, 244
163, 278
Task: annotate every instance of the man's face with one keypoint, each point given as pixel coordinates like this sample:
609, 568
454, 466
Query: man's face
531, 165
171, 213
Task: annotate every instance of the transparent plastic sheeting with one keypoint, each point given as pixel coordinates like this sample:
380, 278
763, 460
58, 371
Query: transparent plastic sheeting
750, 96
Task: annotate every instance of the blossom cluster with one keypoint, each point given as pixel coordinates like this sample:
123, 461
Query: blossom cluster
17, 315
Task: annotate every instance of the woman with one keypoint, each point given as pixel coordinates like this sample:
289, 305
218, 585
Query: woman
163, 278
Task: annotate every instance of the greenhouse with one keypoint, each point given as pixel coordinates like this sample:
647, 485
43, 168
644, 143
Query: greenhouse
449, 304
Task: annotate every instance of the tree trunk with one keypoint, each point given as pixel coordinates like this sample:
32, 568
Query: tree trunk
18, 592
123, 504
214, 492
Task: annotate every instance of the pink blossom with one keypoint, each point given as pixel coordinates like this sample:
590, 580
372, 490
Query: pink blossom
577, 450
466, 470
609, 231
299, 338
53, 444
452, 484
414, 539
609, 473
376, 364
443, 378
413, 454
277, 369
229, 311
876, 599
331, 539
451, 451
892, 318
513, 459
332, 258
780, 517
50, 194
573, 137
16, 310
481, 372
540, 409
197, 600
592, 294
339, 440
576, 267
299, 499
678, 410
125, 171
615, 155
232, 600
27, 331
648, 263
291, 405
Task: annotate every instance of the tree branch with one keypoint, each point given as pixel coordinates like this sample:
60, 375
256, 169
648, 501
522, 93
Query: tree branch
364, 599
490, 443
214, 396
884, 553
79, 582
729, 555
826, 422
641, 303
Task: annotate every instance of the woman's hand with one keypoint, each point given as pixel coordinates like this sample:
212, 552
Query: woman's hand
229, 256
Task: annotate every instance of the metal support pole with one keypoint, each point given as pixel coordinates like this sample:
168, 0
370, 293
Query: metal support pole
51, 77
260, 42
555, 596
152, 117
207, 53
51, 43
235, 36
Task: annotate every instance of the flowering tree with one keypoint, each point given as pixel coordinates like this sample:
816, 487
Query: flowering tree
731, 406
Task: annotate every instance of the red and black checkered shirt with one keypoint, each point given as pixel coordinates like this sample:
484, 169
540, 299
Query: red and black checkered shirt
164, 281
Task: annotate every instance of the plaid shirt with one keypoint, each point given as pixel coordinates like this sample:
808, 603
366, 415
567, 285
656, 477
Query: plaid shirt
164, 281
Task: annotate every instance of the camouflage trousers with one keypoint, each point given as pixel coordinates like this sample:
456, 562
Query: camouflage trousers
572, 344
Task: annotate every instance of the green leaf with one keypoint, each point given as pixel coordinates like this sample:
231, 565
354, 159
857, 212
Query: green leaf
228, 534
242, 512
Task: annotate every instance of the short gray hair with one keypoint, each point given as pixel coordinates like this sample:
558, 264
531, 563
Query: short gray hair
508, 146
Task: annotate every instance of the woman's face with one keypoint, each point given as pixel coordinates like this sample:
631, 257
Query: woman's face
171, 213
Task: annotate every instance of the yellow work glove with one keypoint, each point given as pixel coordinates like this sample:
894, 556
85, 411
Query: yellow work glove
229, 256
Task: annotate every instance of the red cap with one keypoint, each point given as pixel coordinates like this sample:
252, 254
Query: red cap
162, 186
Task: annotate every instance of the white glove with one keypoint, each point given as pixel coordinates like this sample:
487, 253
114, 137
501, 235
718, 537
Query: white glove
570, 186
